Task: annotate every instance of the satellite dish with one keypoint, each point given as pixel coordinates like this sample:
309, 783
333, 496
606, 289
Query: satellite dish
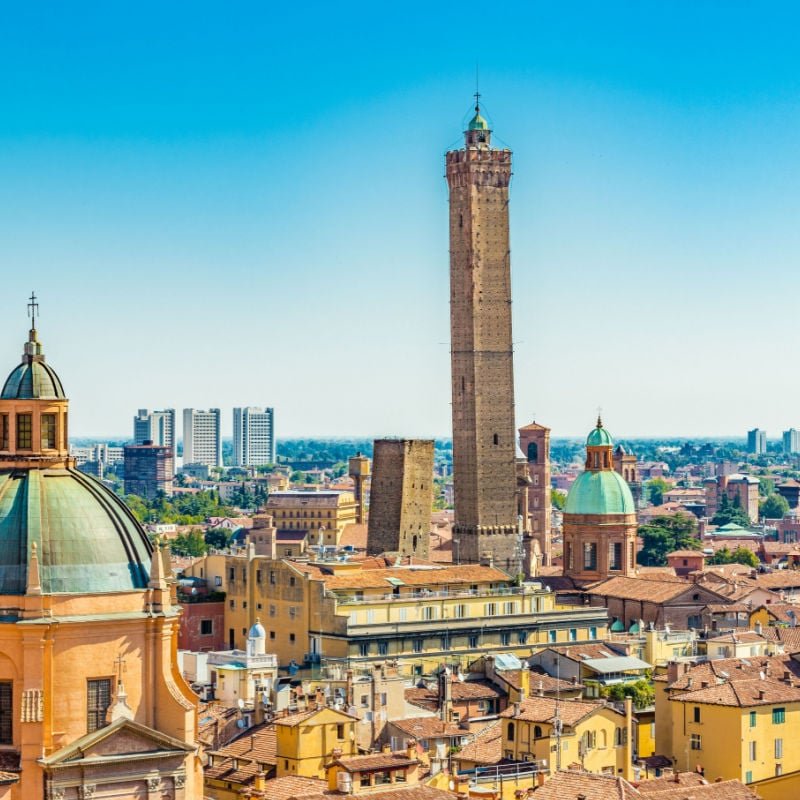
240, 703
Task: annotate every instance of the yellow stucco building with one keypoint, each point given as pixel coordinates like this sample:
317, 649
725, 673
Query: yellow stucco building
560, 733
732, 718
363, 612
91, 700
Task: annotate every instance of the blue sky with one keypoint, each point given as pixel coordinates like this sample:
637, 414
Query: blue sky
233, 204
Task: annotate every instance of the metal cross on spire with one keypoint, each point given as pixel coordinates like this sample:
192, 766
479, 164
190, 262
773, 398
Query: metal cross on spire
120, 662
33, 309
477, 89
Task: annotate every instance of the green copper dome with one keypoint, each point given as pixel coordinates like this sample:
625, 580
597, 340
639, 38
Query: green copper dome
599, 437
603, 492
478, 123
33, 379
87, 541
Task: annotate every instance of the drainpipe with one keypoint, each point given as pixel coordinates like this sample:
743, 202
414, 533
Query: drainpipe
627, 769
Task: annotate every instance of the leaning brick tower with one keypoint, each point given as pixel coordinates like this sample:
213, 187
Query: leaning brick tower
484, 446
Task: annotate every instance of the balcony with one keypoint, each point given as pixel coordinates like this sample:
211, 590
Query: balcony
391, 597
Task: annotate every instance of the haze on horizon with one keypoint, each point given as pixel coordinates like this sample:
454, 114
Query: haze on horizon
248, 209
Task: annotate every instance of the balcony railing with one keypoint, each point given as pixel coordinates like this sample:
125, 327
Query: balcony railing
503, 591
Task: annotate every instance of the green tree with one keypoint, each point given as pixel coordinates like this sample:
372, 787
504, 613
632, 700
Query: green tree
641, 693
666, 533
188, 544
774, 507
558, 499
741, 555
728, 511
218, 538
655, 490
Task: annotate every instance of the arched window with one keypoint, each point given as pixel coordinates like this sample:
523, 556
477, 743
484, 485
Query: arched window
533, 452
510, 733
537, 731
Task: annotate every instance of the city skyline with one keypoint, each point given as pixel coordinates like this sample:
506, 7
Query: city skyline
654, 187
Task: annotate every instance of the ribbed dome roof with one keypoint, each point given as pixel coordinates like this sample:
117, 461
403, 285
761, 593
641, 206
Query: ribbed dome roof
87, 540
33, 379
603, 492
599, 437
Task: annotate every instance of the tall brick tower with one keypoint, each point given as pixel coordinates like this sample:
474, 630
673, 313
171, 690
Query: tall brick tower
484, 447
534, 441
401, 497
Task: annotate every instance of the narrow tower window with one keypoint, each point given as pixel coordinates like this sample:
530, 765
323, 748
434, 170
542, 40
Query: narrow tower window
48, 427
24, 432
496, 439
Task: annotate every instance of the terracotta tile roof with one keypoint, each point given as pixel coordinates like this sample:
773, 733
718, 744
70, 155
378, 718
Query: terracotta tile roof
727, 608
460, 691
719, 669
295, 719
742, 693
788, 637
540, 680
375, 761
671, 781
580, 652
543, 709
722, 790
572, 784
355, 535
686, 554
780, 579
413, 792
425, 575
779, 548
486, 747
655, 591
286, 787
738, 637
428, 727
257, 744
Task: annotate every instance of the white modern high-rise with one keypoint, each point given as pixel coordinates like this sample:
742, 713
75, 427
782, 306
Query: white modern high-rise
757, 441
253, 436
791, 441
157, 427
202, 437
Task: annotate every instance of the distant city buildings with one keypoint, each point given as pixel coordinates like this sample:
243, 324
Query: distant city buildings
202, 437
149, 469
757, 441
253, 436
791, 441
157, 427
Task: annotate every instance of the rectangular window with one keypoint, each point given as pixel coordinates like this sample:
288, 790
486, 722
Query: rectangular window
417, 646
489, 609
590, 556
778, 716
206, 627
509, 608
217, 580
505, 638
258, 576
6, 712
24, 432
696, 714
460, 611
98, 699
340, 732
363, 648
752, 719
232, 574
573, 634
291, 638
615, 555
748, 777
428, 612
48, 430
272, 576
473, 641
551, 636
592, 633
3, 431
522, 637
383, 648
696, 742
779, 748
752, 751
